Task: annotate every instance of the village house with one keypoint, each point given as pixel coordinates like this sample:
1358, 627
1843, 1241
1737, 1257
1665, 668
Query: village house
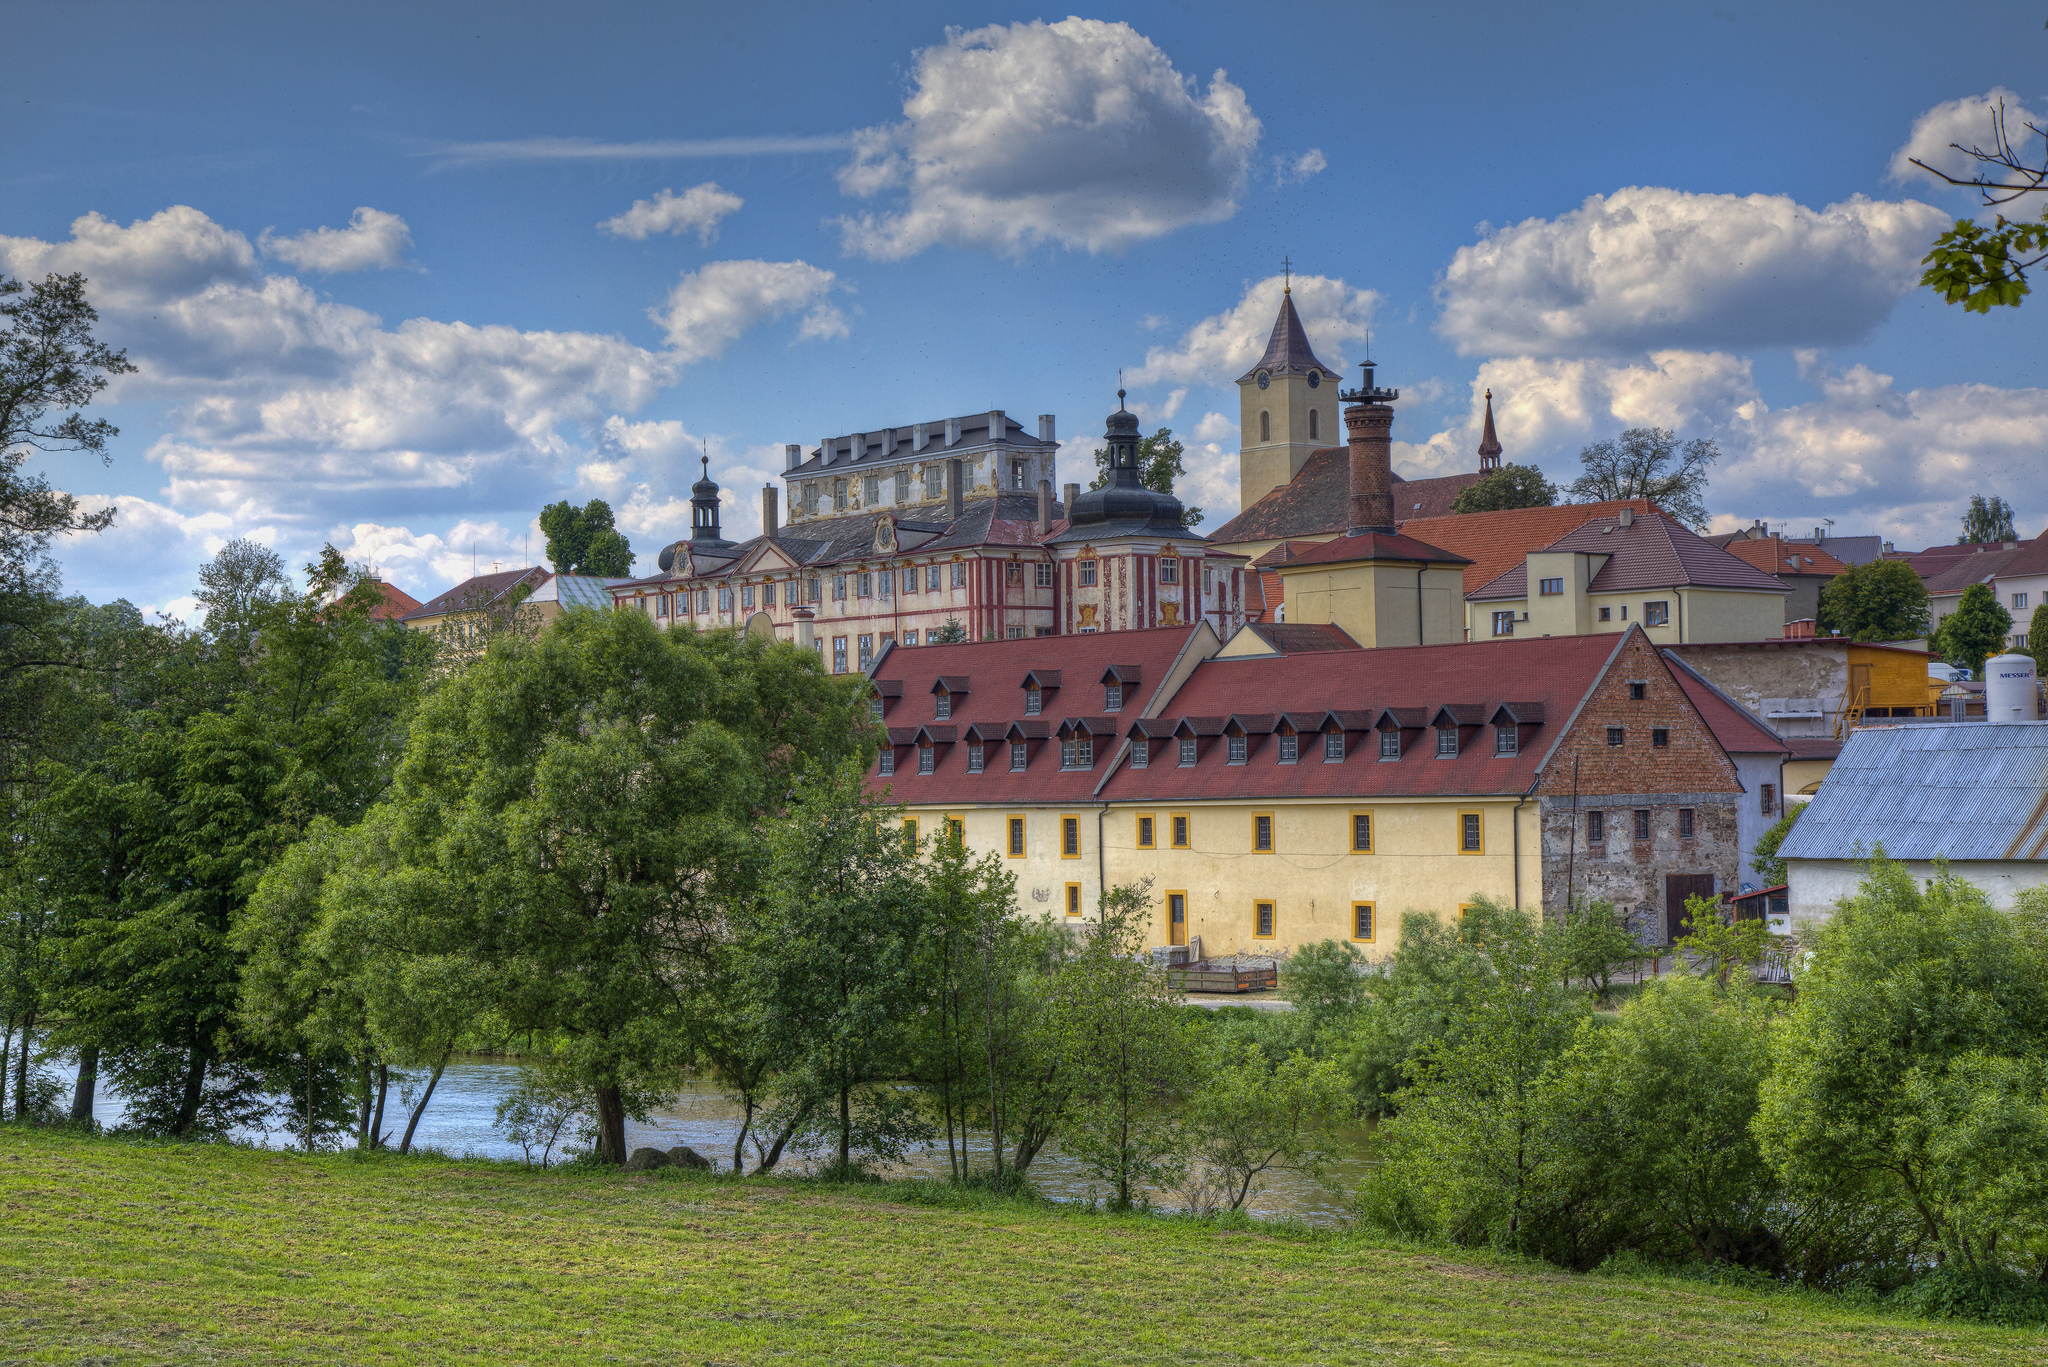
2015, 571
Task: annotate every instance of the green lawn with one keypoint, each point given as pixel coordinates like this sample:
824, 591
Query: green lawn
117, 1253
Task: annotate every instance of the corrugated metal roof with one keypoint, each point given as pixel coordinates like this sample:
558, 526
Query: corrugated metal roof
584, 591
1966, 790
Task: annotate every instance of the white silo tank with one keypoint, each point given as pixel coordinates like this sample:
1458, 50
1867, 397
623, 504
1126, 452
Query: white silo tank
2009, 688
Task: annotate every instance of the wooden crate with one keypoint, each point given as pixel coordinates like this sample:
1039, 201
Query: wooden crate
1225, 977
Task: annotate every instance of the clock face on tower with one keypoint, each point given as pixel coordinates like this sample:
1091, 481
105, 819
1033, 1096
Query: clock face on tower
1264, 379
1315, 377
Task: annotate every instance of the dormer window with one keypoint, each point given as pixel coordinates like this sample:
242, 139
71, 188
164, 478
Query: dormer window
875, 708
942, 706
1333, 747
888, 764
1390, 744
1505, 740
1290, 747
1187, 751
1141, 753
1017, 756
1113, 697
1034, 701
926, 755
974, 757
1446, 742
1237, 749
1077, 752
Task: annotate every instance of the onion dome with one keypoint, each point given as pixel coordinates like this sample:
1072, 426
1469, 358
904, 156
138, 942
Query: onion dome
1125, 499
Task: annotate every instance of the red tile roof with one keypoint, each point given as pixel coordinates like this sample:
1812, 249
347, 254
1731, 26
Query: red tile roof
1317, 501
1733, 725
1656, 551
993, 672
1775, 555
1373, 546
1555, 673
397, 602
1958, 573
1495, 541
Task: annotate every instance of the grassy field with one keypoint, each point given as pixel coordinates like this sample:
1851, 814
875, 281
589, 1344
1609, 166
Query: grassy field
121, 1253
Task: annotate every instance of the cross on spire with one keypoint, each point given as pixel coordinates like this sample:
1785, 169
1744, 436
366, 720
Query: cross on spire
1287, 275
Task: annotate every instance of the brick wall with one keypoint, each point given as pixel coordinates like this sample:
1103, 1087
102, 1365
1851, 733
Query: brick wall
1688, 773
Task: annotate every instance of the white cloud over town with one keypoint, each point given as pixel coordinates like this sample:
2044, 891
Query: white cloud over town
1079, 133
1646, 267
1223, 346
712, 307
373, 240
1966, 123
699, 209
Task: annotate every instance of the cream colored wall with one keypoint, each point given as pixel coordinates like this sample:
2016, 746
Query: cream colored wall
1565, 614
1725, 615
1311, 877
1265, 466
1702, 615
1377, 603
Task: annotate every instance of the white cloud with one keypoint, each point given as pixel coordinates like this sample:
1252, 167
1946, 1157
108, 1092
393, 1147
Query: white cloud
1646, 268
1079, 133
699, 208
425, 563
1966, 121
372, 238
1221, 347
1152, 414
1210, 466
1295, 170
711, 307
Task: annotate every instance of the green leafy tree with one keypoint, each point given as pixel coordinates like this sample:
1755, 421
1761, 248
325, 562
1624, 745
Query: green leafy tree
1975, 631
1881, 601
1651, 463
1987, 520
1159, 465
1594, 940
1511, 486
1421, 999
1909, 1073
1982, 267
950, 632
835, 958
584, 541
1118, 1029
1326, 984
2037, 640
1252, 1118
1764, 861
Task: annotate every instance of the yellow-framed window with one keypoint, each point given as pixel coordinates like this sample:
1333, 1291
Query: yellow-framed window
1262, 832
910, 834
1014, 825
1070, 837
1262, 920
1179, 823
1361, 832
1364, 925
1147, 833
1073, 899
956, 828
1464, 907
1471, 832
1176, 915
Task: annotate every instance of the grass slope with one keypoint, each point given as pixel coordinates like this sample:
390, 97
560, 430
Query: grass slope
124, 1253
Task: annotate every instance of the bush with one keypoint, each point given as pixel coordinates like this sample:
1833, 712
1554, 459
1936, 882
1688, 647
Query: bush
1988, 1295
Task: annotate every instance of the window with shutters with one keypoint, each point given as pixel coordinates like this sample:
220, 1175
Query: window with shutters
838, 495
768, 594
838, 588
872, 490
934, 481
811, 587
903, 486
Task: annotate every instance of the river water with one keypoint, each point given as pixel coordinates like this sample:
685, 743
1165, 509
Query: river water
460, 1122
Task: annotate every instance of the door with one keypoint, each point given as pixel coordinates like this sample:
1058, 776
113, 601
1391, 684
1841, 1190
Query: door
1859, 685
1176, 918
1678, 887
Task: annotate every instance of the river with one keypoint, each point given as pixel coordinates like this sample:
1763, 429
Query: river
460, 1122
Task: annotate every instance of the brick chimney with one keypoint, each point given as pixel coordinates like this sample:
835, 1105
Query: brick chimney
769, 508
1370, 429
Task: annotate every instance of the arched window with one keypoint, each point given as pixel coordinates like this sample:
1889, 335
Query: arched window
1265, 426
1315, 424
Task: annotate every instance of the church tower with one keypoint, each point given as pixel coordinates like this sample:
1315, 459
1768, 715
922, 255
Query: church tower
1287, 408
1489, 444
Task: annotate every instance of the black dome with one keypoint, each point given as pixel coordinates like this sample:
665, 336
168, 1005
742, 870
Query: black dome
1124, 498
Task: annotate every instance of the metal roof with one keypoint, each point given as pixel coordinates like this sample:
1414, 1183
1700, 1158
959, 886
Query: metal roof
1966, 790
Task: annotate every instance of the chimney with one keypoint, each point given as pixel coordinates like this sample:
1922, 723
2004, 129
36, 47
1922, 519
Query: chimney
955, 495
998, 425
1625, 518
920, 436
857, 447
952, 432
1045, 507
1045, 427
792, 456
827, 448
806, 632
1068, 494
1370, 429
768, 509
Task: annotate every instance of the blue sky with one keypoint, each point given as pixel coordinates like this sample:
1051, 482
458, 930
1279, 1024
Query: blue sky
359, 253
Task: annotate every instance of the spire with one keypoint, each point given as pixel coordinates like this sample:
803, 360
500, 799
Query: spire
1287, 350
1489, 444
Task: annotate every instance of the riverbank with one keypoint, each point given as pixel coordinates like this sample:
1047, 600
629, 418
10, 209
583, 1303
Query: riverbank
119, 1252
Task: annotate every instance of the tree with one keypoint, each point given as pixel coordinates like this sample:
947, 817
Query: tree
1159, 465
1975, 631
950, 632
1651, 463
1252, 1118
2037, 640
1979, 267
49, 360
1118, 1029
1511, 486
584, 541
1909, 1073
1881, 601
1594, 939
1421, 999
1764, 861
1987, 521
